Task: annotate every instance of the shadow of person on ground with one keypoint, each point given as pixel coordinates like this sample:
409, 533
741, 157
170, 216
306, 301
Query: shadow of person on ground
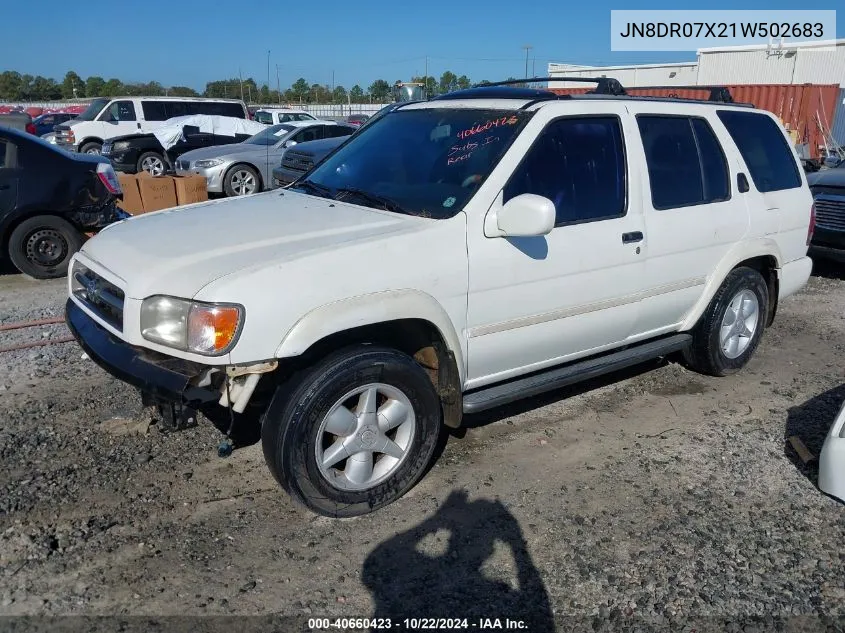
409, 583
811, 422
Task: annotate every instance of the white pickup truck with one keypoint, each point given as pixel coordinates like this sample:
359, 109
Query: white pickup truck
456, 255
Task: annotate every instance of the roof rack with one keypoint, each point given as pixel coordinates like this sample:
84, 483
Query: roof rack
605, 86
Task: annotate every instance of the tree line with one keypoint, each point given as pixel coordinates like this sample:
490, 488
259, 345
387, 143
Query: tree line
17, 87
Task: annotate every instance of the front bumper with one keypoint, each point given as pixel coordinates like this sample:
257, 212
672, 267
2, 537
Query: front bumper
832, 459
161, 377
283, 176
213, 176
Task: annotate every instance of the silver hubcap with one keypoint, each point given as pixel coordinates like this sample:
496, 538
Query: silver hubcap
153, 165
92, 150
365, 437
243, 182
739, 323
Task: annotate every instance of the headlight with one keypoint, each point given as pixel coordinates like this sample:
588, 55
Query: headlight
210, 329
120, 146
209, 162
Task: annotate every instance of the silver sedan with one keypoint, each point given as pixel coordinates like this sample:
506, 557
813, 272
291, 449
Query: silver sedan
244, 168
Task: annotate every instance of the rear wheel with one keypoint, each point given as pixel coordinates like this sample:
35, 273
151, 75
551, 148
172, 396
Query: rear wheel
41, 247
91, 148
241, 180
152, 163
730, 329
354, 432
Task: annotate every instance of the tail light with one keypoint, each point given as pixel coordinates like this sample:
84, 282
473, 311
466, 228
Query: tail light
31, 128
106, 174
811, 229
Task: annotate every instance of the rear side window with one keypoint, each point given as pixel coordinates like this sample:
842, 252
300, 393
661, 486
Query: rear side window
154, 110
764, 149
578, 164
686, 165
220, 109
264, 117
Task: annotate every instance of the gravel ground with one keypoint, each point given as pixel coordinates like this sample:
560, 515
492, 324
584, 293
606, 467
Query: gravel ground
652, 497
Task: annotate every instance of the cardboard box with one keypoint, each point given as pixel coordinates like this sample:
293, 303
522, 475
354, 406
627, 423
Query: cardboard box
131, 202
191, 189
157, 192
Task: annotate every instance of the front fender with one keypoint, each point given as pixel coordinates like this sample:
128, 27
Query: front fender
762, 247
370, 309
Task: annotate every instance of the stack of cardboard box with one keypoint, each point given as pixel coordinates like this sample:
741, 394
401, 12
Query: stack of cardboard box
143, 193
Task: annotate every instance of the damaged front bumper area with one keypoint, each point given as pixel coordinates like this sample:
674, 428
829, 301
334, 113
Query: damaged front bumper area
178, 387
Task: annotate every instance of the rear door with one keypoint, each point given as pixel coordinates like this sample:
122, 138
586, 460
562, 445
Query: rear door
8, 176
693, 216
777, 202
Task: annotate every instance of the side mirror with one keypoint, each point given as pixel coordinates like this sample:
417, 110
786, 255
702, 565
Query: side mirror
290, 143
526, 215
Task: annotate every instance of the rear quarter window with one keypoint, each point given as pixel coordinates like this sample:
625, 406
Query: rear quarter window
155, 110
764, 148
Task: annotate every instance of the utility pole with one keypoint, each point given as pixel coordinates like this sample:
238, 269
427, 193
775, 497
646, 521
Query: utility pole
527, 48
241, 80
332, 82
278, 85
425, 78
268, 70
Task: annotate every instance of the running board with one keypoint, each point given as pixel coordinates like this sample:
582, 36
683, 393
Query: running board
503, 393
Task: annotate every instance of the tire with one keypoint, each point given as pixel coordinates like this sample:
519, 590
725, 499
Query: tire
293, 427
153, 163
41, 247
91, 148
241, 180
718, 351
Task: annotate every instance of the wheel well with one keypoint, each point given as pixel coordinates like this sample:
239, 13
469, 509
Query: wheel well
767, 266
91, 139
251, 166
417, 338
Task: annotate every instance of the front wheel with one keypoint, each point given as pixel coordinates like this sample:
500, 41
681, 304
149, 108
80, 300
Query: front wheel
730, 329
241, 180
152, 163
354, 432
41, 247
91, 148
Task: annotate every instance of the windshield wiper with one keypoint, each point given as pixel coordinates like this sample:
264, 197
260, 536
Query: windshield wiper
386, 203
320, 190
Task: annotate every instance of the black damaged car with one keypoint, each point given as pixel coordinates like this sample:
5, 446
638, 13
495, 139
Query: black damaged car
49, 200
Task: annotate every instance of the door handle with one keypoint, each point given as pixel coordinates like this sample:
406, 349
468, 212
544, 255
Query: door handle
630, 238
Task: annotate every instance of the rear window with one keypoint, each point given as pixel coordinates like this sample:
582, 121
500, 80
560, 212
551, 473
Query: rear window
264, 117
686, 166
764, 149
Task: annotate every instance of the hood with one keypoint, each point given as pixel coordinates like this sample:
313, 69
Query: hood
219, 151
827, 178
322, 146
179, 251
127, 137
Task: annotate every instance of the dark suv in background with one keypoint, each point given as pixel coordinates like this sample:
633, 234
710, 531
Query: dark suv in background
828, 187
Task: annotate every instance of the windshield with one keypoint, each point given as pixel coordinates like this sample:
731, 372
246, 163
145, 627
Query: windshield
93, 110
421, 162
270, 136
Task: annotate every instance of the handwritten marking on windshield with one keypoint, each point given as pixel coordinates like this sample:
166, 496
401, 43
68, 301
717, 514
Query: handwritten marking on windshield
483, 127
459, 153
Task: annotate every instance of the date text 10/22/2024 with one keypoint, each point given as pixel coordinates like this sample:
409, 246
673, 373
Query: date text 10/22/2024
416, 624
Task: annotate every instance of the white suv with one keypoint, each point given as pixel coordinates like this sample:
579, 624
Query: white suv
107, 117
456, 255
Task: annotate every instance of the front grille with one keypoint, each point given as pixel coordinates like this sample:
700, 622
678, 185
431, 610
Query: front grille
297, 162
106, 149
830, 212
99, 295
